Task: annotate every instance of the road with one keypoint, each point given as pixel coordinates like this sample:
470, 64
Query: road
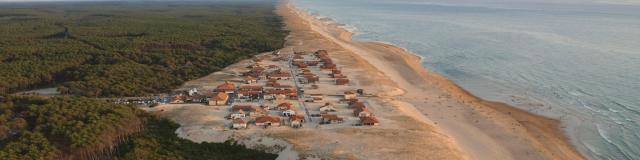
298, 88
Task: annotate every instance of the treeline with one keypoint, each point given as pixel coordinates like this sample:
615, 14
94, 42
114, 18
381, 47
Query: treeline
85, 128
128, 49
63, 128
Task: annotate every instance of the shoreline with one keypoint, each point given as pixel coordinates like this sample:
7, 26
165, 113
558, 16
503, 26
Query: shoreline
539, 137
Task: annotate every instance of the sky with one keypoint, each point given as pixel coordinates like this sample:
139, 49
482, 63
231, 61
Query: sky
616, 2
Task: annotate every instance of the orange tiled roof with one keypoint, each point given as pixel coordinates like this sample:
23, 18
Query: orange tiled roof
226, 86
264, 119
220, 96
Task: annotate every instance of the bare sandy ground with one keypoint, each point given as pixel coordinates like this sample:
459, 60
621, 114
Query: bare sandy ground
422, 114
479, 129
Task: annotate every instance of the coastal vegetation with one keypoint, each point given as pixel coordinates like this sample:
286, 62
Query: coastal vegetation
37, 128
87, 128
118, 49
159, 141
114, 49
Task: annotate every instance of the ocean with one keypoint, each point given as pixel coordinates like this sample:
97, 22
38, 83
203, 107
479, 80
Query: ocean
574, 60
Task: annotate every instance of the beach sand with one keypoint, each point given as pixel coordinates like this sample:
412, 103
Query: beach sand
422, 114
462, 125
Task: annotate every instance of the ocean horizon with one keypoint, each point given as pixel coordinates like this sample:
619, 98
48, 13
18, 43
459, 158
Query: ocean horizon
575, 61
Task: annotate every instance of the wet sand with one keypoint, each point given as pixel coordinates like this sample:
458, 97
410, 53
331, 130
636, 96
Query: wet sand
466, 126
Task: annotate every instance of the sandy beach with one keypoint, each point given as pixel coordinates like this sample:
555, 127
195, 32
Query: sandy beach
481, 129
422, 114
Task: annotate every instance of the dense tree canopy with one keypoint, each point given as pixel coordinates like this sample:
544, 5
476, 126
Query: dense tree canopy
128, 49
82, 128
111, 49
57, 127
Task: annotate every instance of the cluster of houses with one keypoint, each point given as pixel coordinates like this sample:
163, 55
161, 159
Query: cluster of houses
350, 97
241, 115
327, 64
360, 110
281, 112
272, 90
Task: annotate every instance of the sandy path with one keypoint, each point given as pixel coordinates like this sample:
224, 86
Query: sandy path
482, 129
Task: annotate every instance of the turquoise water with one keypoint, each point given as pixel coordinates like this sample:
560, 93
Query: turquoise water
578, 61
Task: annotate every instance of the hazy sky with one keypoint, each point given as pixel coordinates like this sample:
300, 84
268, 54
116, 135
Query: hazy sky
619, 2
81, 0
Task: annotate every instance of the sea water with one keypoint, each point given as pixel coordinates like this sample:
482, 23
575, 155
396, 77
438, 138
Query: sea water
574, 60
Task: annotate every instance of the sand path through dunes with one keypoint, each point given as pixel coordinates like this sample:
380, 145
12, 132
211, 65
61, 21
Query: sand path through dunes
481, 129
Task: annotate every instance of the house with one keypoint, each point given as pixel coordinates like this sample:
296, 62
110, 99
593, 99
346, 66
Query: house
284, 106
250, 88
342, 81
331, 118
369, 121
288, 113
340, 76
328, 107
362, 112
296, 121
309, 79
249, 95
250, 80
218, 99
277, 97
268, 121
239, 123
316, 96
350, 95
328, 66
271, 94
279, 75
226, 87
282, 87
272, 83
249, 92
238, 114
244, 108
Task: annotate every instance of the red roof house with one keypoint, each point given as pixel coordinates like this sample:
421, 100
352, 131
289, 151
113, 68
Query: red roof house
268, 121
